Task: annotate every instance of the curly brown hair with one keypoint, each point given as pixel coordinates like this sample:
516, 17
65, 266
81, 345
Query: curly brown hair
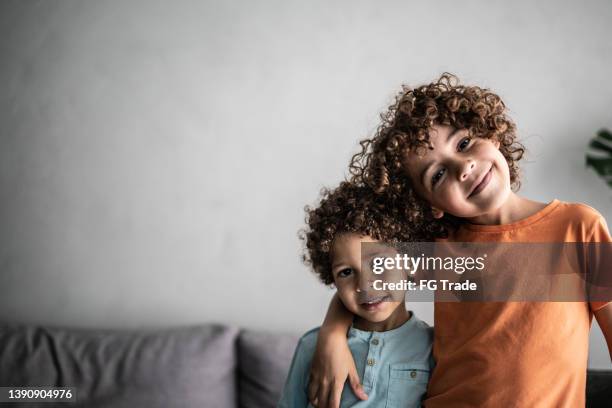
406, 125
352, 208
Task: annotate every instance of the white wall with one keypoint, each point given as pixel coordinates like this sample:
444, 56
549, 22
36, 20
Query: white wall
155, 156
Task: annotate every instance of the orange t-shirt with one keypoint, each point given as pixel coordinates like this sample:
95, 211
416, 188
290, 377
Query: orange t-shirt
523, 354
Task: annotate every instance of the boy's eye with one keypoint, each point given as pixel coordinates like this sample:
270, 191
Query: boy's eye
345, 272
436, 177
463, 144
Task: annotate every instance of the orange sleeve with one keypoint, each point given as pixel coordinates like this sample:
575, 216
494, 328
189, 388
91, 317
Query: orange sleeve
600, 232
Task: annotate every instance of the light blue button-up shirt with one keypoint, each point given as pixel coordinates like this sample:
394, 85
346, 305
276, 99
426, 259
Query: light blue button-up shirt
394, 367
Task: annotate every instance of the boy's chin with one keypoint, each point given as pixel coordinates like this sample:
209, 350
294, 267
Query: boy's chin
486, 205
377, 316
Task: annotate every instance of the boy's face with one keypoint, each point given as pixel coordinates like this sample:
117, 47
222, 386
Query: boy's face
355, 285
463, 176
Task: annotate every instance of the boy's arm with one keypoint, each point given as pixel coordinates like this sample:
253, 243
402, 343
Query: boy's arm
333, 362
604, 319
601, 233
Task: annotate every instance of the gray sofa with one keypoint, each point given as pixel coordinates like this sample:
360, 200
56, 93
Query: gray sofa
205, 366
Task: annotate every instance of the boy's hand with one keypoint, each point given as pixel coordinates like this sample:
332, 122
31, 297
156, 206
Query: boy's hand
332, 364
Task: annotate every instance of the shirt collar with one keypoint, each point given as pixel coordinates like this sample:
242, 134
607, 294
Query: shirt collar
401, 331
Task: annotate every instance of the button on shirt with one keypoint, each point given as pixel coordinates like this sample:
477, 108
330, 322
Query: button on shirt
394, 367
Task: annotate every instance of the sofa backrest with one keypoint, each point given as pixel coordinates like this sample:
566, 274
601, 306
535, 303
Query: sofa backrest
263, 363
187, 367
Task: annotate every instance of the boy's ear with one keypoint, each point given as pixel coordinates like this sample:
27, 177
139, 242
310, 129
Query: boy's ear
495, 142
437, 213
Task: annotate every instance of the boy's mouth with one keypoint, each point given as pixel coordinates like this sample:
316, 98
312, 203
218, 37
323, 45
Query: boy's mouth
374, 303
480, 184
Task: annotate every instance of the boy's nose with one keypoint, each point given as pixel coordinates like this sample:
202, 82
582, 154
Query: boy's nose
364, 283
466, 169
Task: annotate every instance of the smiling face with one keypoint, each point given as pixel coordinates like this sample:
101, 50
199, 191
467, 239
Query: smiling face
463, 176
376, 310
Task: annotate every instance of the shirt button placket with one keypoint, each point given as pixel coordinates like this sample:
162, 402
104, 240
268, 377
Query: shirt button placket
372, 363
369, 374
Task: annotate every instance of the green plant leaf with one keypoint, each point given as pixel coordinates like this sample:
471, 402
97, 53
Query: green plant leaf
599, 157
596, 144
605, 134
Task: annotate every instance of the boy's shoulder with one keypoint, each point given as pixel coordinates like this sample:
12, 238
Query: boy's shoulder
579, 214
577, 222
418, 327
419, 333
308, 342
422, 327
579, 211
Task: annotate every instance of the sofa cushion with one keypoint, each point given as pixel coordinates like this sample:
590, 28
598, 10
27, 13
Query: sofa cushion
264, 360
187, 367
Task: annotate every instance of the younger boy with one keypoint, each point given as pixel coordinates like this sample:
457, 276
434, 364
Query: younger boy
391, 346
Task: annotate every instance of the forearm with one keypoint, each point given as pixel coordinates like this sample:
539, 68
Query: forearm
338, 319
332, 363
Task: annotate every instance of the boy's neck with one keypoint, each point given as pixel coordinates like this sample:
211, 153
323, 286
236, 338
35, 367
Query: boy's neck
399, 316
514, 209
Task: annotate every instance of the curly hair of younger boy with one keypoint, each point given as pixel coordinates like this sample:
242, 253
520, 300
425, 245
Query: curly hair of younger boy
353, 208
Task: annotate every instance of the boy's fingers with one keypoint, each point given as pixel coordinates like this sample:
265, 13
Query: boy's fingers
313, 390
357, 387
336, 394
314, 402
323, 396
